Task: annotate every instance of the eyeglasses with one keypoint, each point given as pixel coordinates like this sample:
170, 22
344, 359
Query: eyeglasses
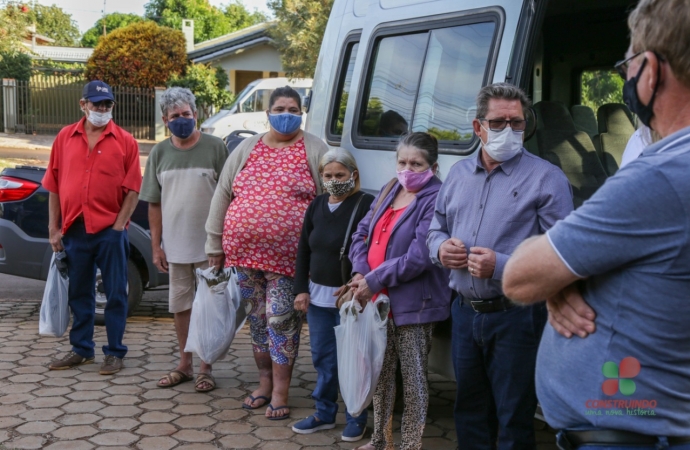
107, 104
499, 125
622, 66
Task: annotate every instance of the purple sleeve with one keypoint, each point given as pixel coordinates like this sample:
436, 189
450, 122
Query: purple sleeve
359, 251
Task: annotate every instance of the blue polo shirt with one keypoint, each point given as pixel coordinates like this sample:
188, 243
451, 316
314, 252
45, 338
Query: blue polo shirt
631, 241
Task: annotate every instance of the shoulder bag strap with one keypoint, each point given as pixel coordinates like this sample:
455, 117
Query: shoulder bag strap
349, 226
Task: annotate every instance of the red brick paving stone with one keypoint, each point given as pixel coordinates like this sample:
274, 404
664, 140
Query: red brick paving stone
10, 422
123, 390
274, 433
233, 428
121, 400
118, 424
83, 407
114, 438
157, 417
79, 419
51, 392
70, 445
194, 436
26, 442
239, 441
157, 405
156, 443
75, 432
41, 414
156, 429
197, 421
230, 415
38, 427
12, 399
86, 395
119, 411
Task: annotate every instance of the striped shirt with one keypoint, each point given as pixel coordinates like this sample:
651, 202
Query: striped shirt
522, 197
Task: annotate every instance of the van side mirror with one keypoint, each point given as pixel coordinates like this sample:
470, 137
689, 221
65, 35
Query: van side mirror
306, 101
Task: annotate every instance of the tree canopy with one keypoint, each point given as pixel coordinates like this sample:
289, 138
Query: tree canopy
138, 55
14, 18
209, 22
53, 22
208, 85
298, 33
113, 21
600, 87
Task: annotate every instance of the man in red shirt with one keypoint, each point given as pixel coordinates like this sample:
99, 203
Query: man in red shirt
94, 178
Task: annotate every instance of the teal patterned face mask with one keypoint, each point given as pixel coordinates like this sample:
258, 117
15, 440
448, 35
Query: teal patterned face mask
339, 188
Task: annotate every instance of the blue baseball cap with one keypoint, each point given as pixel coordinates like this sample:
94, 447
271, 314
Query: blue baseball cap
96, 91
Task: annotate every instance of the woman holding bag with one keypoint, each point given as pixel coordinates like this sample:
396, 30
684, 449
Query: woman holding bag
389, 255
323, 268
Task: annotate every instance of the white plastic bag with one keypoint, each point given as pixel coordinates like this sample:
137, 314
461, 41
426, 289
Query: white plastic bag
54, 316
217, 314
361, 342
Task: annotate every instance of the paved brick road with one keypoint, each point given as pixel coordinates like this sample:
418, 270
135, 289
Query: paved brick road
80, 409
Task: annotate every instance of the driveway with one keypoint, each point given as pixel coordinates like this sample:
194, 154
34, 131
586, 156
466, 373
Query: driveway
80, 409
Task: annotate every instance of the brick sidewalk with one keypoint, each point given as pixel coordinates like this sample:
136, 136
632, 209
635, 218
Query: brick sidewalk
80, 409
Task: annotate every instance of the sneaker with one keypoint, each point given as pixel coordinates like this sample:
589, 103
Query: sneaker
111, 364
310, 425
69, 361
354, 431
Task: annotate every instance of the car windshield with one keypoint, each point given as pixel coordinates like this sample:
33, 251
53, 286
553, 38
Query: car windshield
242, 94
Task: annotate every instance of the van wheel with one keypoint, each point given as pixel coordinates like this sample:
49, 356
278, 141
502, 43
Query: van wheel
135, 291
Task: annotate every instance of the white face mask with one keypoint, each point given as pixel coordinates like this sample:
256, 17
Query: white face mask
98, 119
503, 145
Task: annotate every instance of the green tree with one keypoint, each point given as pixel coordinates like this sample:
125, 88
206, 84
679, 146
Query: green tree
113, 21
139, 55
14, 18
600, 87
15, 65
53, 22
298, 33
208, 85
209, 22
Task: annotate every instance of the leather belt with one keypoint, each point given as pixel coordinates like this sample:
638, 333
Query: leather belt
616, 437
487, 305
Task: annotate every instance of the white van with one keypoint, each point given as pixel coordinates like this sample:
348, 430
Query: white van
389, 66
248, 112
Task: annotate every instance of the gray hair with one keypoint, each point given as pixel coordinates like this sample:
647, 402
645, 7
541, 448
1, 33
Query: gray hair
344, 157
504, 91
177, 97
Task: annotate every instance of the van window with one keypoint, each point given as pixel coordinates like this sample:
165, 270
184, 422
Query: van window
598, 87
426, 81
257, 102
343, 90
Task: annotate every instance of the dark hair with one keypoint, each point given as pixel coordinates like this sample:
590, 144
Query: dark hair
392, 124
423, 141
285, 91
504, 91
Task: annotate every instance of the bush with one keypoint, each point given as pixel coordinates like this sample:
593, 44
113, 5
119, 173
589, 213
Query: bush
15, 65
208, 85
141, 55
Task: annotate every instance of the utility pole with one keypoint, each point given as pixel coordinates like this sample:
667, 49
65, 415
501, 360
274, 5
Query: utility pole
103, 19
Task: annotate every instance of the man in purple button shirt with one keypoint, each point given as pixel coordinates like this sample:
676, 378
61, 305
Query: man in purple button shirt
488, 205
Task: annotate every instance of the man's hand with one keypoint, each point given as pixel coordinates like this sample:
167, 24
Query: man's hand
55, 238
216, 262
160, 260
453, 254
302, 302
481, 262
570, 314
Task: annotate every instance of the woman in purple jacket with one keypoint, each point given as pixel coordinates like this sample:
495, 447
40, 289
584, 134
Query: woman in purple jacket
389, 255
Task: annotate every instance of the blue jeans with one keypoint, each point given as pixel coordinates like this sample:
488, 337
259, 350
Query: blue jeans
325, 358
661, 445
494, 357
108, 249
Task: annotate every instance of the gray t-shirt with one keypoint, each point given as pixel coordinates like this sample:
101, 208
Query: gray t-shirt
632, 242
183, 182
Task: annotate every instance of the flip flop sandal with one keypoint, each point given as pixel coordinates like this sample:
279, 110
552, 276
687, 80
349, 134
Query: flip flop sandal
253, 399
204, 377
283, 417
174, 378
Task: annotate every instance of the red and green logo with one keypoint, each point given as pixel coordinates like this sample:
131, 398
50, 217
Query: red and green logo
619, 377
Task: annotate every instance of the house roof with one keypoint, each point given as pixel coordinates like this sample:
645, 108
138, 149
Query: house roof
231, 43
68, 54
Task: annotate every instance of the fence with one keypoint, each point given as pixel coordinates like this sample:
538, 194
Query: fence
45, 104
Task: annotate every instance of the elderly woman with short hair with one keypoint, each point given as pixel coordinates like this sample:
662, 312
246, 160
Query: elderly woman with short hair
254, 225
320, 276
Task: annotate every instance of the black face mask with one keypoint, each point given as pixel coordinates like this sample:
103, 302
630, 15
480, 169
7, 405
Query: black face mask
632, 100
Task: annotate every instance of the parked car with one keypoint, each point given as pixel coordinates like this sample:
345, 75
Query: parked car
26, 252
249, 110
